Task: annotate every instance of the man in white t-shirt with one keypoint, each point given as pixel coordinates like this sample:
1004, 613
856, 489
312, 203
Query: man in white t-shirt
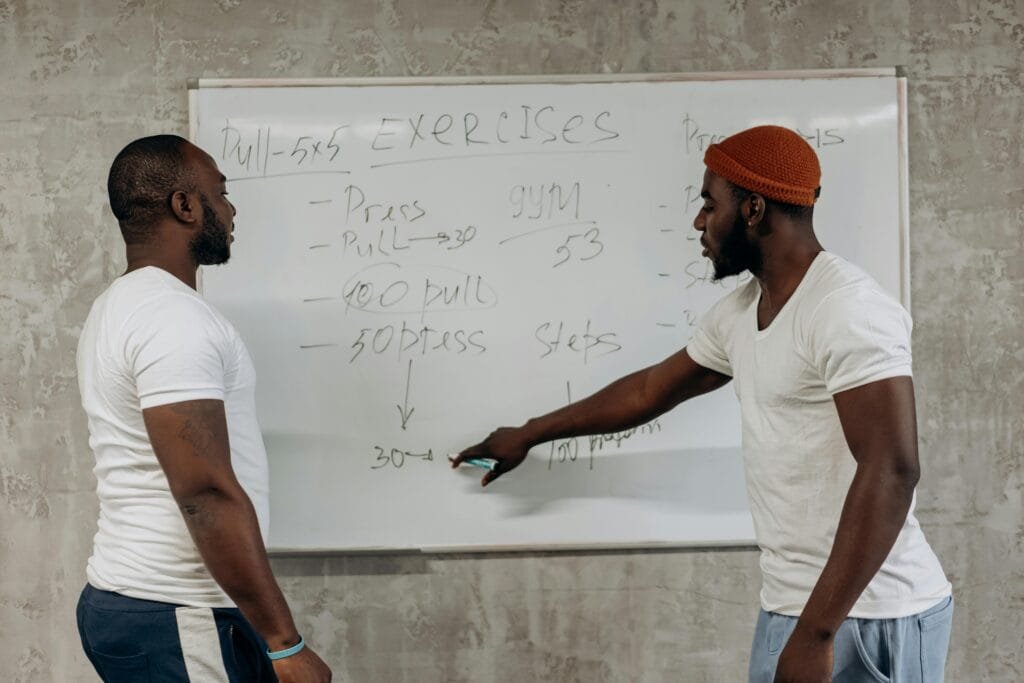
179, 585
821, 362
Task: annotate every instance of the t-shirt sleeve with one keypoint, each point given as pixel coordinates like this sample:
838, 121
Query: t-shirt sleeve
174, 347
708, 346
857, 336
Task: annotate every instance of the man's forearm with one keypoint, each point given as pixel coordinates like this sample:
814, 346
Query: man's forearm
618, 406
874, 513
224, 527
627, 402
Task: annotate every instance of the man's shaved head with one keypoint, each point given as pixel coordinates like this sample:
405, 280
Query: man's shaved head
142, 178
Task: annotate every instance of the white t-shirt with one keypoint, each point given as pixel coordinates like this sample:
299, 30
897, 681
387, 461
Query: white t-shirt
838, 331
151, 340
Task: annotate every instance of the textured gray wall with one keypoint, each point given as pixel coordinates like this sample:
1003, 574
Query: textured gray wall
80, 79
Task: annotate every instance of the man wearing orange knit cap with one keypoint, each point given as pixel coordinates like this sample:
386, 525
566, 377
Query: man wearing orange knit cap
851, 591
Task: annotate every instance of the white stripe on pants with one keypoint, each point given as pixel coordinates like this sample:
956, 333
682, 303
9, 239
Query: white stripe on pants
200, 645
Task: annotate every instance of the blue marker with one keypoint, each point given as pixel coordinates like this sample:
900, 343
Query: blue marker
480, 462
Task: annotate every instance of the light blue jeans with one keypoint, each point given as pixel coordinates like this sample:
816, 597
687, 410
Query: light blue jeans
907, 650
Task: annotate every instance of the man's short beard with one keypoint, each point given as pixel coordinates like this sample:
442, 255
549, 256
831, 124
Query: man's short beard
212, 246
737, 253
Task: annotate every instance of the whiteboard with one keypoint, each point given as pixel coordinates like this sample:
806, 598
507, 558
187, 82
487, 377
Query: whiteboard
418, 262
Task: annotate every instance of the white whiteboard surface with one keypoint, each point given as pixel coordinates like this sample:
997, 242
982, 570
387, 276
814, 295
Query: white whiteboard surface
408, 254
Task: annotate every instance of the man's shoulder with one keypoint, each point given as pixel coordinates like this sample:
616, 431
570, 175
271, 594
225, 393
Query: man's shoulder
837, 273
152, 300
839, 283
845, 305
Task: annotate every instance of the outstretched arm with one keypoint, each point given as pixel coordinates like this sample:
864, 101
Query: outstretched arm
627, 402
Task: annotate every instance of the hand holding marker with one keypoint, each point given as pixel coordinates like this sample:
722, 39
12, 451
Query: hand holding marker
485, 463
501, 452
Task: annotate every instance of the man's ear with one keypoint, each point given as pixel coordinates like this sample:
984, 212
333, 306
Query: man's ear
185, 207
754, 213
755, 207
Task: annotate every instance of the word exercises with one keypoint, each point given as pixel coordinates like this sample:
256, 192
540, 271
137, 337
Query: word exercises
417, 265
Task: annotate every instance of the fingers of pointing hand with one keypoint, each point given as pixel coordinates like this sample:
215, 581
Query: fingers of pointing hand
500, 468
492, 475
476, 451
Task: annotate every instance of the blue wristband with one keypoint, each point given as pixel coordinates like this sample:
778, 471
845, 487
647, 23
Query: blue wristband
293, 650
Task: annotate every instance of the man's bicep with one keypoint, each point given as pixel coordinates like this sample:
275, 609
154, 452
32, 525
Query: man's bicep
679, 378
879, 421
190, 440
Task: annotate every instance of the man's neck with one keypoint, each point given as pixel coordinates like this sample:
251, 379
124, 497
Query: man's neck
782, 271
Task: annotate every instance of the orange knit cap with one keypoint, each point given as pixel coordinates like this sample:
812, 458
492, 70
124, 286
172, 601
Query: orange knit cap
770, 160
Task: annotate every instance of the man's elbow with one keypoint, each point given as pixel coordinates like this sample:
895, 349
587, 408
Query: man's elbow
198, 502
901, 475
898, 473
907, 477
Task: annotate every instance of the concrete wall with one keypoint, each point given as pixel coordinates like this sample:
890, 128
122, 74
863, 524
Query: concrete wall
80, 79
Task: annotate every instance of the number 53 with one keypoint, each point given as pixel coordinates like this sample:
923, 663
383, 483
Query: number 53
590, 248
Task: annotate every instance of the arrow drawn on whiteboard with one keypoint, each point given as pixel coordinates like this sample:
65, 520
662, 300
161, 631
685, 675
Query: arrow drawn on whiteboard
404, 410
440, 237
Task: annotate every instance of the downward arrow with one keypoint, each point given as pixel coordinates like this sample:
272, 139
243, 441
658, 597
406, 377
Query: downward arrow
404, 410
